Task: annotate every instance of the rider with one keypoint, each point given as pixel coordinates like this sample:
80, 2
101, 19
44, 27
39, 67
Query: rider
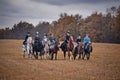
87, 40
29, 45
52, 40
45, 39
24, 45
67, 38
37, 38
26, 37
78, 39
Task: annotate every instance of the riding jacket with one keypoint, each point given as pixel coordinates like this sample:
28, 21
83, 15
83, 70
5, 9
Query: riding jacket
78, 40
67, 37
37, 39
26, 37
87, 40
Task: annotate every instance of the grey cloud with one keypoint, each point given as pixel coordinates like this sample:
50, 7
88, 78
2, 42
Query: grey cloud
67, 2
33, 11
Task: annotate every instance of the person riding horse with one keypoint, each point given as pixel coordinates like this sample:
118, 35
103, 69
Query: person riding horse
67, 45
45, 39
37, 47
29, 46
24, 44
67, 39
87, 47
25, 40
37, 38
78, 49
78, 40
46, 45
87, 41
26, 37
52, 41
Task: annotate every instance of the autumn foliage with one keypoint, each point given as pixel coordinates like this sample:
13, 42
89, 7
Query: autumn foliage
100, 27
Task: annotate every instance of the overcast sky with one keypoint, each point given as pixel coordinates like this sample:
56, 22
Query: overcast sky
34, 11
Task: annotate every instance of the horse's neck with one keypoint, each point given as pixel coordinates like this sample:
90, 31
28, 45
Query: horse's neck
87, 45
70, 42
80, 46
29, 40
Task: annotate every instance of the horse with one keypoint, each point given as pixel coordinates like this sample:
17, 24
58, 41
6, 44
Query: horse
38, 47
24, 48
87, 50
54, 50
78, 51
68, 48
46, 48
29, 47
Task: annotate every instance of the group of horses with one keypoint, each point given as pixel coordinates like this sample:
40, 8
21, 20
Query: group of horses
40, 49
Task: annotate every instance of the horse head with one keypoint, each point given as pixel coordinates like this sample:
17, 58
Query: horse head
88, 47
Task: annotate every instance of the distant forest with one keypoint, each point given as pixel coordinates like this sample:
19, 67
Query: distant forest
100, 27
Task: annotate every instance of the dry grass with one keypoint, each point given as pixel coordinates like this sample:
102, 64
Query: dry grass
103, 65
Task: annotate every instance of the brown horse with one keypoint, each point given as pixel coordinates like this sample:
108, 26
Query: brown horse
68, 48
78, 51
54, 50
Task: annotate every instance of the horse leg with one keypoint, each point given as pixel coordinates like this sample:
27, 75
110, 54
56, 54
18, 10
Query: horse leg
64, 54
51, 56
47, 55
36, 55
88, 56
24, 54
69, 55
41, 54
30, 54
79, 56
74, 55
28, 51
83, 55
56, 56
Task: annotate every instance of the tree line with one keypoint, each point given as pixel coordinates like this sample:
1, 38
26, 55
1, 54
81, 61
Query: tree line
100, 27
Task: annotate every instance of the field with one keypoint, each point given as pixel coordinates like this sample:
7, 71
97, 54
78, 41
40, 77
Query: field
104, 64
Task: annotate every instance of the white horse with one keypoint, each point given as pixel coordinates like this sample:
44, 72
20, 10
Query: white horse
46, 47
24, 49
29, 47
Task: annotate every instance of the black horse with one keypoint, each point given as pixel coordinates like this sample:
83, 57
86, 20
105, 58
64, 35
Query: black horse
87, 50
78, 51
38, 47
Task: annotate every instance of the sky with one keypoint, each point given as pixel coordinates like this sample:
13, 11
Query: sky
35, 11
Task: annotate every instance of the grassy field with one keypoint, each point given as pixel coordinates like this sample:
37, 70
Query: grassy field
104, 64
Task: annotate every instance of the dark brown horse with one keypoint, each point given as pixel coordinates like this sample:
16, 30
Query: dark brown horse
78, 51
54, 50
68, 48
